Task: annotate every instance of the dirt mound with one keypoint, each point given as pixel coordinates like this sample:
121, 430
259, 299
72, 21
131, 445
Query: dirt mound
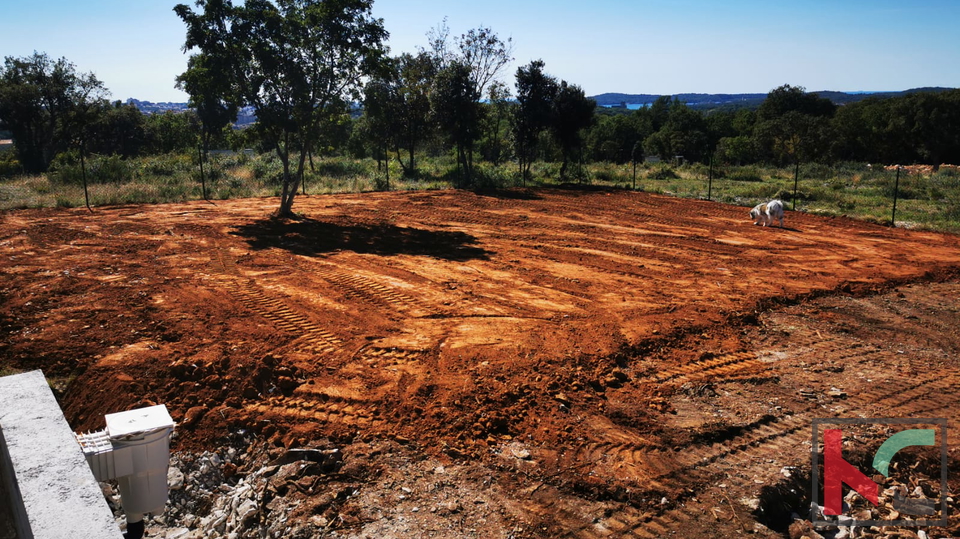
595, 352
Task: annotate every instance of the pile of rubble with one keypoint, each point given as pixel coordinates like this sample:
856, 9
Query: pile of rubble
233, 494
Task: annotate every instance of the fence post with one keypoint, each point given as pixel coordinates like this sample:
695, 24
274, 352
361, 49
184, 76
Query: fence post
796, 183
203, 182
710, 181
896, 192
83, 174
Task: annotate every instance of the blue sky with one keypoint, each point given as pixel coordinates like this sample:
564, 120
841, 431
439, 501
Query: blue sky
640, 46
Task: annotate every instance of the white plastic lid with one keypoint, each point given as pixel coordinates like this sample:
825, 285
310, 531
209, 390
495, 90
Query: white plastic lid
135, 423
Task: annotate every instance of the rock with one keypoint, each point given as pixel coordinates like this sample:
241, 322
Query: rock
246, 511
174, 478
177, 533
521, 454
450, 508
802, 528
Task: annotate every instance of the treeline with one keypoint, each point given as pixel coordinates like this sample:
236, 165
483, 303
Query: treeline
50, 109
789, 126
321, 83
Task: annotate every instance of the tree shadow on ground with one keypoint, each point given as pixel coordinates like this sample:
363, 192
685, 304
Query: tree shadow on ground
509, 194
310, 237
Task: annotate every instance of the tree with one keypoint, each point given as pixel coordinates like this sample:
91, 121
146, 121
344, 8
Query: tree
572, 112
209, 78
532, 115
486, 54
213, 97
792, 125
498, 109
378, 122
119, 129
171, 131
457, 109
613, 138
47, 106
684, 133
296, 62
411, 105
793, 137
788, 98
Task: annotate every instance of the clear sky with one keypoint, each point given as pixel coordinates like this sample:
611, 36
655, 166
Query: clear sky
628, 46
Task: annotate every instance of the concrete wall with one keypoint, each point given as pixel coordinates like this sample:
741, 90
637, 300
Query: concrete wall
52, 490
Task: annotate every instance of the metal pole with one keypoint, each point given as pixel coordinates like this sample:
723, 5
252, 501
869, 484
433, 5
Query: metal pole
896, 192
203, 183
796, 183
710, 181
83, 174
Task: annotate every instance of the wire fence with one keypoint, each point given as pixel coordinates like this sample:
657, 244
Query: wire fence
913, 196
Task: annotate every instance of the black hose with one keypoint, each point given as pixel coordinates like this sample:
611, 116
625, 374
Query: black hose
134, 530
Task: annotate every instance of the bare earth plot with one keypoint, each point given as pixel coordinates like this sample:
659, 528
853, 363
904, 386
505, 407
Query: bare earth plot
554, 363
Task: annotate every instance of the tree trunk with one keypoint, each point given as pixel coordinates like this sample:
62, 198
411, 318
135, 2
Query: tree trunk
413, 162
83, 174
403, 167
203, 182
289, 190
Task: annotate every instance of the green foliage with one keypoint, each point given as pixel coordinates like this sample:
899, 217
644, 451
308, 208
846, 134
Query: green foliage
455, 102
532, 115
172, 132
47, 106
662, 172
66, 168
572, 113
9, 164
267, 167
276, 57
742, 174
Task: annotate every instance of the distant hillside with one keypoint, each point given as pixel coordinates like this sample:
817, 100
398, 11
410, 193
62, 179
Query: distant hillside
743, 100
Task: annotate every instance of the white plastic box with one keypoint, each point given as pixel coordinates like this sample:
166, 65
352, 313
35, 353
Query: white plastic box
134, 449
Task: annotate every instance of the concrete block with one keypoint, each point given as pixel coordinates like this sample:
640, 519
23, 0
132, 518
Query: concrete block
54, 493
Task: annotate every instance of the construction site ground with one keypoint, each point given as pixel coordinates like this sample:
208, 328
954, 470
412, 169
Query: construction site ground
565, 362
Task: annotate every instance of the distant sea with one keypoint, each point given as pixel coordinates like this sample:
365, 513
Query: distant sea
630, 106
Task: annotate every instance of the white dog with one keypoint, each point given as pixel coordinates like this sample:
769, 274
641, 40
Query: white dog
765, 214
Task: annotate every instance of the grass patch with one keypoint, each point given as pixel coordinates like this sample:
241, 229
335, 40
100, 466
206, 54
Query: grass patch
852, 189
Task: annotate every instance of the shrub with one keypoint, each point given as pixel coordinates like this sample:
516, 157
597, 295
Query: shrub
9, 165
662, 172
65, 168
744, 174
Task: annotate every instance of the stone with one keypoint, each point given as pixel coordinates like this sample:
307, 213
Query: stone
175, 478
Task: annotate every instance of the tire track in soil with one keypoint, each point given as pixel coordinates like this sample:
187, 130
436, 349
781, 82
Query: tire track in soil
375, 354
702, 465
691, 470
716, 369
312, 338
322, 409
357, 287
928, 394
